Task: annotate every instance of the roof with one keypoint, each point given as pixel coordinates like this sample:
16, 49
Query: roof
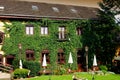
35, 10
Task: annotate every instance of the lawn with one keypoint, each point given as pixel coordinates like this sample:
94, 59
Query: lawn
79, 75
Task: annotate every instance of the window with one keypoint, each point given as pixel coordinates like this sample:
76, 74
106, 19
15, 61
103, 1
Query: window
1, 37
78, 31
61, 56
44, 30
34, 7
29, 29
2, 8
46, 52
73, 10
55, 9
29, 54
61, 32
9, 59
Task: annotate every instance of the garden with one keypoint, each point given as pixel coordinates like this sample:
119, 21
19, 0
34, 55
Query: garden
101, 40
63, 74
80, 75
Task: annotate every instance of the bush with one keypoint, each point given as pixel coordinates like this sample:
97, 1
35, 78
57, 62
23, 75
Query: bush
60, 70
15, 63
103, 68
33, 66
20, 73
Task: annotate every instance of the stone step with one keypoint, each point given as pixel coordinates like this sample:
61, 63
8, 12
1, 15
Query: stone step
5, 79
5, 76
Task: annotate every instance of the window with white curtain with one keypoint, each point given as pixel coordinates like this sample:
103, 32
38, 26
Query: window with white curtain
44, 30
61, 32
29, 30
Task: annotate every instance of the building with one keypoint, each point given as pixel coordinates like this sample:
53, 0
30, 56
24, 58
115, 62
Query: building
43, 28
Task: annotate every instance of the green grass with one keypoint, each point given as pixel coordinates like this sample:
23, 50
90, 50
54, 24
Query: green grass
79, 75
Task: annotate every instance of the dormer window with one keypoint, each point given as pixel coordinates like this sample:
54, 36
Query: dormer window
2, 8
55, 9
29, 29
35, 8
73, 10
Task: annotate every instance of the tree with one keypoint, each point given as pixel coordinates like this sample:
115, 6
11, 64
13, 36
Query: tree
100, 35
108, 29
110, 5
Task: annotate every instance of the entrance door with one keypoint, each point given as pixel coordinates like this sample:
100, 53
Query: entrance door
80, 60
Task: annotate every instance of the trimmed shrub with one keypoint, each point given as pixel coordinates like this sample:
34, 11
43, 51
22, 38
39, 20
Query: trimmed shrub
103, 68
20, 73
33, 66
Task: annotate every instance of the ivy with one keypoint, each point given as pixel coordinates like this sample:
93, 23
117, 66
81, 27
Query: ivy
93, 34
37, 42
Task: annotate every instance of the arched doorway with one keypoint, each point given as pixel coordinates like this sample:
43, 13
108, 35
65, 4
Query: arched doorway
80, 60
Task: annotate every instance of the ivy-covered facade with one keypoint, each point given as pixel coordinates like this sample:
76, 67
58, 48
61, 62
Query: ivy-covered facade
56, 37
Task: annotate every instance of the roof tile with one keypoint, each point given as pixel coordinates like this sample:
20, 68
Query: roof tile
24, 9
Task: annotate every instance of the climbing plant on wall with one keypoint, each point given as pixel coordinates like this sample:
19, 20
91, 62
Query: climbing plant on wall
37, 42
90, 37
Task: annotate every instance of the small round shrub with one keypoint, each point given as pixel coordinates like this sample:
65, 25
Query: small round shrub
20, 73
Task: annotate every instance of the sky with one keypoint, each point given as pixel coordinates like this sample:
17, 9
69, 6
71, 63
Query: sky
89, 3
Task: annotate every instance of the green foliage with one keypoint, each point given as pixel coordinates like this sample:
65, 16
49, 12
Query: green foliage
79, 75
15, 63
112, 5
98, 35
20, 73
33, 66
103, 68
60, 70
38, 42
